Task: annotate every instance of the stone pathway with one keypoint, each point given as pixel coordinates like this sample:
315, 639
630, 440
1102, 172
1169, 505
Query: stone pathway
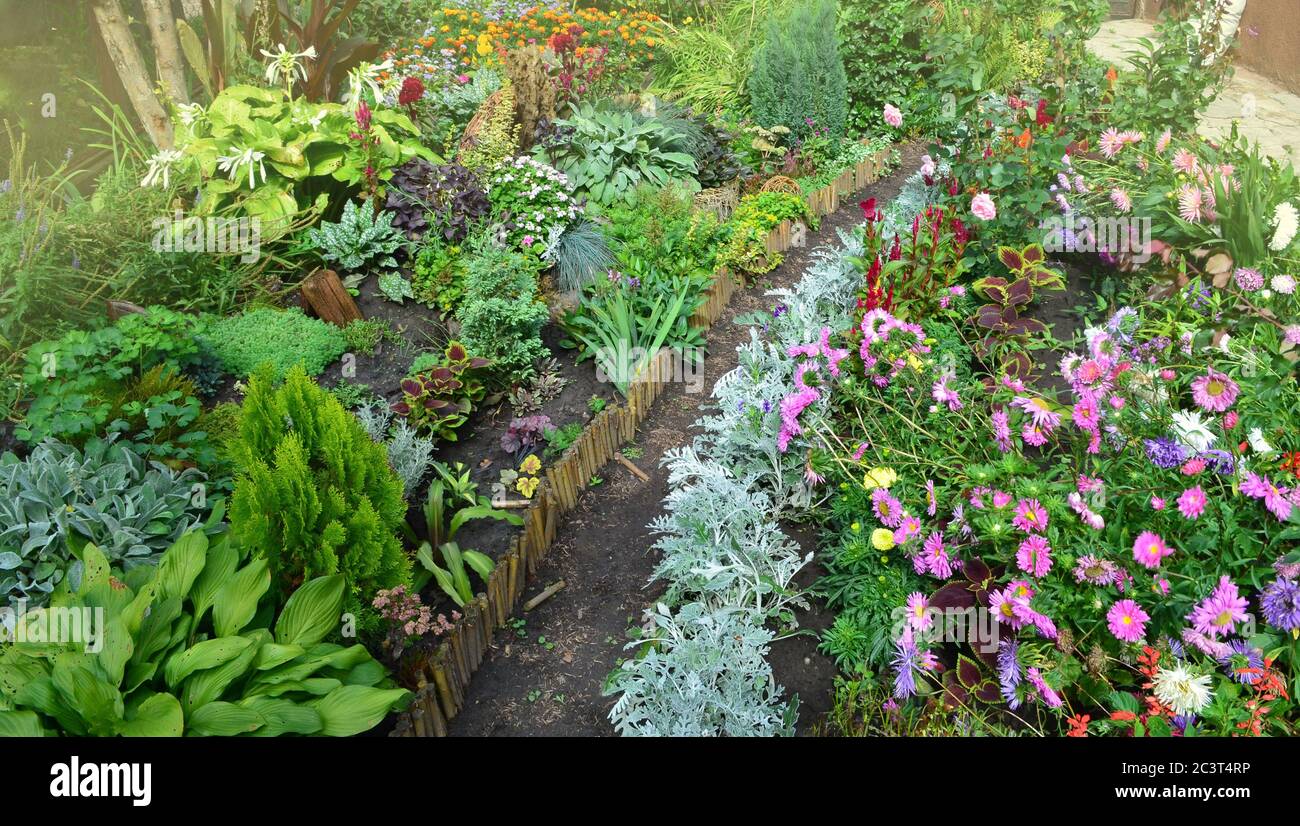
1265, 112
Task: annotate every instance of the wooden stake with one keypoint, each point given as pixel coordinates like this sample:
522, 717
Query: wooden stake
549, 592
636, 471
328, 299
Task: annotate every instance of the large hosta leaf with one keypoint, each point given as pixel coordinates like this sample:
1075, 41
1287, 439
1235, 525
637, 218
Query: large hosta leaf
312, 612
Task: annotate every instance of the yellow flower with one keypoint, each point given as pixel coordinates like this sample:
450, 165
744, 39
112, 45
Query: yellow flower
914, 362
531, 465
484, 45
527, 485
879, 477
856, 527
882, 539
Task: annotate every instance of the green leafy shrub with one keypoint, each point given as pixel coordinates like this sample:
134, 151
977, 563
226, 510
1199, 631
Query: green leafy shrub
500, 316
882, 43
611, 153
755, 217
439, 276
108, 494
798, 74
314, 494
361, 239
124, 379
189, 648
282, 337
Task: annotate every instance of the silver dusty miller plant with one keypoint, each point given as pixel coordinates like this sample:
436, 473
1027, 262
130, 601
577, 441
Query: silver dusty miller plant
704, 674
409, 454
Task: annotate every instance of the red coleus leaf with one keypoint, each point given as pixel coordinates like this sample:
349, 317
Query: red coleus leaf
978, 572
1033, 254
1010, 258
478, 363
1020, 292
952, 595
412, 387
988, 692
456, 352
402, 409
954, 695
968, 672
989, 316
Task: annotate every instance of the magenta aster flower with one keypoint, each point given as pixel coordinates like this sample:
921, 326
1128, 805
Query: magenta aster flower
1248, 279
1094, 570
909, 528
931, 499
1044, 691
936, 556
1219, 613
1035, 556
1033, 435
1127, 620
1191, 503
1030, 516
1214, 392
1149, 549
1003, 608
887, 509
1039, 410
943, 394
917, 616
1157, 504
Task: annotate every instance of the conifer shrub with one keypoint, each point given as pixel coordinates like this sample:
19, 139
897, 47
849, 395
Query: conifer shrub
799, 75
314, 494
501, 317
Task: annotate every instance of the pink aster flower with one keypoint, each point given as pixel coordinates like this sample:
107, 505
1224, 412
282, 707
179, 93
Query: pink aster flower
917, 616
1002, 430
1185, 162
910, 527
1033, 435
936, 556
1002, 605
1214, 391
887, 508
1192, 466
1094, 570
1123, 203
1039, 410
1044, 691
1190, 204
1149, 549
1035, 556
1085, 414
1191, 503
1001, 499
1157, 504
1162, 142
1127, 620
1219, 613
931, 499
1031, 516
1111, 142
943, 394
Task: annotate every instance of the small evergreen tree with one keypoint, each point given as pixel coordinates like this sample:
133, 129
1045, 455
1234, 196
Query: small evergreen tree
500, 317
798, 73
314, 494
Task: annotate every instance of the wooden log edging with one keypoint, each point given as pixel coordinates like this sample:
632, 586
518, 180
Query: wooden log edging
443, 686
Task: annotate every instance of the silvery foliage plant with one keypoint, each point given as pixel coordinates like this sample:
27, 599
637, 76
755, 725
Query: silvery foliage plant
718, 543
725, 560
410, 455
106, 493
705, 673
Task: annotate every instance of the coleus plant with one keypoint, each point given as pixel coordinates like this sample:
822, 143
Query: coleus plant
440, 399
1002, 317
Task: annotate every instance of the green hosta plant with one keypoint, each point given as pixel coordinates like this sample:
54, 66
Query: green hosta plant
192, 647
61, 496
360, 240
611, 153
270, 156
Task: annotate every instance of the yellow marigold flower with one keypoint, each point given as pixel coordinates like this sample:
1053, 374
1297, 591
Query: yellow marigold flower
531, 465
879, 477
484, 45
882, 539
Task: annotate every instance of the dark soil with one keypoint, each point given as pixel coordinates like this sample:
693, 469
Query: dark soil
1057, 309
544, 675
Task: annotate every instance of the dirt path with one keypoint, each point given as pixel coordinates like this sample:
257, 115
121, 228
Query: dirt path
544, 677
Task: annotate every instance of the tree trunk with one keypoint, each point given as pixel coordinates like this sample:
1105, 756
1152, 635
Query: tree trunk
131, 70
166, 48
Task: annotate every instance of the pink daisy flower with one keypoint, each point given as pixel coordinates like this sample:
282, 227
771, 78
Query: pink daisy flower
1149, 549
1127, 620
1219, 613
1121, 200
1033, 435
1214, 392
887, 509
1191, 503
1035, 556
1030, 516
917, 616
1040, 410
936, 556
1190, 204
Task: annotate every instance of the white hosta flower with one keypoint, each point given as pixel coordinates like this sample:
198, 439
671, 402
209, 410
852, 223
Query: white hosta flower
1258, 443
1182, 690
160, 166
190, 113
1193, 431
254, 160
368, 76
286, 65
1286, 220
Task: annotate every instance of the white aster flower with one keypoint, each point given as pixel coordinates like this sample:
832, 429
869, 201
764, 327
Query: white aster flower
1286, 220
1258, 443
1182, 690
1193, 431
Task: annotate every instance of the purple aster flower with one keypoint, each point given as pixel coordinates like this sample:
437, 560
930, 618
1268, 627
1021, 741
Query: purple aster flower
1165, 453
1280, 602
1239, 663
1009, 671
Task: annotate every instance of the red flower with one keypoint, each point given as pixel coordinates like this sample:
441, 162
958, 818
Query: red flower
869, 210
1043, 118
411, 92
1079, 725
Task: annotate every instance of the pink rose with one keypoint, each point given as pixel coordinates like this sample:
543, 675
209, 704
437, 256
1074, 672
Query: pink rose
983, 208
893, 116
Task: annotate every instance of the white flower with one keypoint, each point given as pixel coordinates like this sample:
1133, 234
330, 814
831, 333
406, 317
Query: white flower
251, 158
1192, 431
366, 76
286, 64
1286, 220
1258, 443
160, 166
190, 113
1183, 691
